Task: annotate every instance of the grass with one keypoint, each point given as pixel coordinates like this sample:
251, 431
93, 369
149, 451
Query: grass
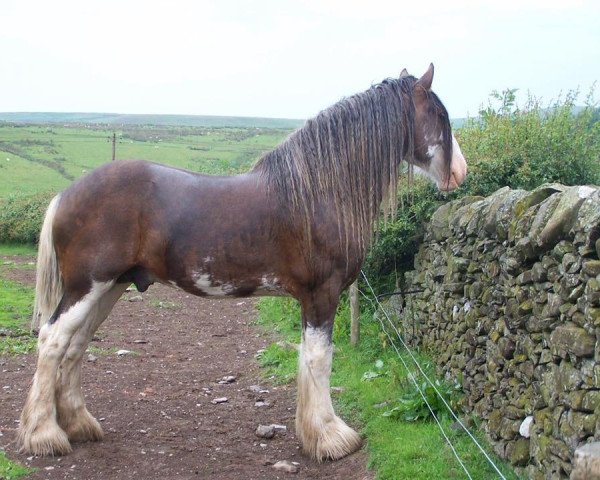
165, 304
16, 302
10, 470
16, 305
102, 351
17, 250
15, 310
373, 381
47, 158
146, 119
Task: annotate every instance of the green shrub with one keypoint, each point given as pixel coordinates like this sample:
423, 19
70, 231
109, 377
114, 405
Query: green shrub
21, 217
505, 146
526, 147
398, 240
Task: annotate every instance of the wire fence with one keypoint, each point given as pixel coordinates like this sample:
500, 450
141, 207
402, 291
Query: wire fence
389, 326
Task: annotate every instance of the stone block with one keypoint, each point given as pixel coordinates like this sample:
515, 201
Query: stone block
572, 339
586, 462
518, 452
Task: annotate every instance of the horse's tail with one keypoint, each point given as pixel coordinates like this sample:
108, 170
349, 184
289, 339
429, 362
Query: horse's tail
48, 283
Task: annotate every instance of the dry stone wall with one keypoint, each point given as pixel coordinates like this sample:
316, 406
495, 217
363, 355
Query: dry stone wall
510, 307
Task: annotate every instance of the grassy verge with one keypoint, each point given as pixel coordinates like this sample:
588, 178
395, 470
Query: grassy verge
17, 249
15, 310
16, 301
377, 397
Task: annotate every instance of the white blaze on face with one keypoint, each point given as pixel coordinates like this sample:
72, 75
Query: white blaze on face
432, 150
436, 168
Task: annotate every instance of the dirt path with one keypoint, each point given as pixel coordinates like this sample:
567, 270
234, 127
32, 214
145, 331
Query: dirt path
155, 404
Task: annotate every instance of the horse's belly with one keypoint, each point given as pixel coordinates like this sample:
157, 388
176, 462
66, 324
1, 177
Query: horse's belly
206, 285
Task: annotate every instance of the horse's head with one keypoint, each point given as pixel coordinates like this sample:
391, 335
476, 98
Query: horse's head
436, 151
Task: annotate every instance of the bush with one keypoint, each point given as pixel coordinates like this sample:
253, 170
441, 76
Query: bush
21, 217
526, 147
505, 146
397, 241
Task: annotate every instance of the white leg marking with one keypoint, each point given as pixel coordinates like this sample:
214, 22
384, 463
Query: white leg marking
39, 432
322, 433
72, 414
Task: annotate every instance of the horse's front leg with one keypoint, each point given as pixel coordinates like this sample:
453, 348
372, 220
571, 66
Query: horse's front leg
322, 433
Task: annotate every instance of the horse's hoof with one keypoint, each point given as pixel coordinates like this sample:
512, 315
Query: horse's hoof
83, 427
47, 439
331, 441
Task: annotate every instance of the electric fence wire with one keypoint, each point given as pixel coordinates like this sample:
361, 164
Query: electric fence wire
412, 376
422, 371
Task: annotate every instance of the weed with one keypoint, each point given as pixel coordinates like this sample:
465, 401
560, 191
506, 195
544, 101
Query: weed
414, 405
280, 363
10, 470
155, 302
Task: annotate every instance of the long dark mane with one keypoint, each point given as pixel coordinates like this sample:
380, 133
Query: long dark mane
350, 155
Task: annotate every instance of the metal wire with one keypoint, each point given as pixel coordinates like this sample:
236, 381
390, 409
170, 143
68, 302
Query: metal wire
412, 376
490, 461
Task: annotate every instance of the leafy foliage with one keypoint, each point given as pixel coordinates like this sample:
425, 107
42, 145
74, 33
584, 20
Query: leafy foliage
10, 470
21, 217
412, 406
397, 241
507, 145
526, 147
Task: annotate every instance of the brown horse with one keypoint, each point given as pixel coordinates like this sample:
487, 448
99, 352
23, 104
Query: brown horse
297, 224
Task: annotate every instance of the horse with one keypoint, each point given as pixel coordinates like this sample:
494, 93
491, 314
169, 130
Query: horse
298, 223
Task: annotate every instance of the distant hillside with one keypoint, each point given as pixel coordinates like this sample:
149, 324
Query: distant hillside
142, 119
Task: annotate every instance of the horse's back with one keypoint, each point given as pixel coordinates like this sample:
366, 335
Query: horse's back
134, 213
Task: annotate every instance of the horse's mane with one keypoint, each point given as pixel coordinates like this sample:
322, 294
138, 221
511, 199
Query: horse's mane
348, 157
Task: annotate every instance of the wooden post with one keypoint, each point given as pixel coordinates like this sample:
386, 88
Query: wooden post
114, 146
354, 314
586, 462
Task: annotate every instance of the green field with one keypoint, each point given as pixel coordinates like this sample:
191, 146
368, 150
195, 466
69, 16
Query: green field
118, 119
37, 158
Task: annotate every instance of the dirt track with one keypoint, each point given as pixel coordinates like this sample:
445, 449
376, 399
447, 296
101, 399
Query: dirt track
155, 403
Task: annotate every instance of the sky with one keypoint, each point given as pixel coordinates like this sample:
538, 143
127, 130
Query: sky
287, 59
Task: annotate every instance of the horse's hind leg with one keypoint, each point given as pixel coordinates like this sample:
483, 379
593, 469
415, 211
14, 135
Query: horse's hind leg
322, 433
73, 416
39, 432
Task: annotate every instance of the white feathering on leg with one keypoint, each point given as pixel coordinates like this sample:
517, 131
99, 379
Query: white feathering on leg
39, 432
322, 433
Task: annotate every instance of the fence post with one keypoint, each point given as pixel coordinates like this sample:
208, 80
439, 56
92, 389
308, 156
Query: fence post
114, 146
354, 314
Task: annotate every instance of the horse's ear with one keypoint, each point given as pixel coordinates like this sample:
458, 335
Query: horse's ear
427, 78
404, 73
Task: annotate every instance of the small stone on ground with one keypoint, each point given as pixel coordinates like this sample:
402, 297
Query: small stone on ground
285, 466
265, 431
